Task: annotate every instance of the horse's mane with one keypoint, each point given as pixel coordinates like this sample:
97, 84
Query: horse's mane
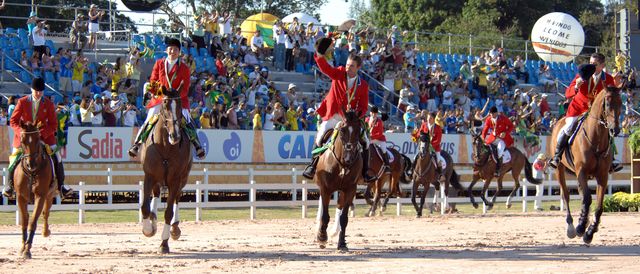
597, 106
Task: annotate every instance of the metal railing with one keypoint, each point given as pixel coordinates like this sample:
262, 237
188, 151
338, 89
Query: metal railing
201, 189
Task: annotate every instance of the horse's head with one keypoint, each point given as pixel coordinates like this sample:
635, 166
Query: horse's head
612, 105
348, 138
171, 116
30, 143
424, 144
479, 148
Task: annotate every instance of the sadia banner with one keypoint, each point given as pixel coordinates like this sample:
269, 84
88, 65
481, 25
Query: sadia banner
98, 144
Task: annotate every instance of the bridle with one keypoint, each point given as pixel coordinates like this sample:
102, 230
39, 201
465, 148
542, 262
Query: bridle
603, 121
348, 148
39, 154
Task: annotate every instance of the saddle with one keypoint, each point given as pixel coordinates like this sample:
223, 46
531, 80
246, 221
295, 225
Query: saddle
328, 139
381, 153
567, 152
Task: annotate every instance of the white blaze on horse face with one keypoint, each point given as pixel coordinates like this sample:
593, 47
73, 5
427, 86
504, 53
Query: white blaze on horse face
350, 130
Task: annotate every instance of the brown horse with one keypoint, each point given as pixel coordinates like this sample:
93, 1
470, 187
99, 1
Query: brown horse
339, 169
592, 157
166, 160
400, 173
485, 166
424, 174
34, 175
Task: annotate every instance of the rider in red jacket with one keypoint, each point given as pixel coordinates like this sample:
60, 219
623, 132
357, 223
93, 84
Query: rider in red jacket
499, 138
590, 81
376, 127
348, 91
35, 108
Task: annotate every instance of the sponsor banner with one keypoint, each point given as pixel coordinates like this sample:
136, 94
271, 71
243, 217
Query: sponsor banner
287, 146
98, 144
224, 146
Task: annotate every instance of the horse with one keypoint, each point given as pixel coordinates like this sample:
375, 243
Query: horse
166, 159
484, 168
33, 176
339, 169
590, 156
400, 173
424, 173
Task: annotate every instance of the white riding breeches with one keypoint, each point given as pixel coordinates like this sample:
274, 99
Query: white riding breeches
499, 143
326, 125
441, 162
383, 146
156, 109
568, 121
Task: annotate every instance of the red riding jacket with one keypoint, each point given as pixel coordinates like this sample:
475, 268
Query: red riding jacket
377, 129
46, 114
181, 80
583, 98
337, 99
435, 133
502, 125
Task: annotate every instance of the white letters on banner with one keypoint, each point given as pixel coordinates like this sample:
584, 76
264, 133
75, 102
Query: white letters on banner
98, 144
224, 146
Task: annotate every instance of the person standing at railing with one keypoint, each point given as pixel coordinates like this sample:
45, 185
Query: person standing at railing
39, 40
31, 24
94, 17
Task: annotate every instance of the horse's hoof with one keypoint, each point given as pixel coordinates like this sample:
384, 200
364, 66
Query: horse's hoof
489, 206
343, 248
588, 237
370, 214
46, 233
580, 230
164, 249
475, 205
418, 216
508, 206
571, 232
322, 237
175, 232
26, 254
322, 245
383, 209
149, 228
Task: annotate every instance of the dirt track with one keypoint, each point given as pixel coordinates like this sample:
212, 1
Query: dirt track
489, 244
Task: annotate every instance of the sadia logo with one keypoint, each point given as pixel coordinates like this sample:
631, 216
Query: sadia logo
232, 147
204, 142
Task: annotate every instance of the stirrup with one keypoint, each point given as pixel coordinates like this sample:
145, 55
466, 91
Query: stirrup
134, 150
65, 191
7, 192
368, 179
615, 167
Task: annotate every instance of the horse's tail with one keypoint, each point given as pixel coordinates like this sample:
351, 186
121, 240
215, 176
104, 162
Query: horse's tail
455, 180
528, 173
406, 173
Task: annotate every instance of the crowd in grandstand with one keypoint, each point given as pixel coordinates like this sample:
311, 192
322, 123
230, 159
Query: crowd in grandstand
236, 91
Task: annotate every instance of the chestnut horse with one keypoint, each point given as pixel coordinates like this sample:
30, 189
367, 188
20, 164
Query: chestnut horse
166, 160
484, 168
592, 157
34, 175
400, 173
424, 173
339, 169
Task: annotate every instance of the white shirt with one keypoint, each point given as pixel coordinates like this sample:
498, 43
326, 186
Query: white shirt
96, 119
251, 97
38, 39
257, 41
130, 118
224, 26
288, 43
350, 82
170, 63
268, 124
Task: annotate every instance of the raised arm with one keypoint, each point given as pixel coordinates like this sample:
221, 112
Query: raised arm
327, 69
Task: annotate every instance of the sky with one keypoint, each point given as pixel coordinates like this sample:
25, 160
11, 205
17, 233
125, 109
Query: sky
334, 12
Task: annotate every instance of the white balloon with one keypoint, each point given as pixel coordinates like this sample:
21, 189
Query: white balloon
557, 37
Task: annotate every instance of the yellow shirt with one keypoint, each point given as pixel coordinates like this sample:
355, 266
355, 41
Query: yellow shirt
620, 62
78, 72
117, 75
292, 119
257, 122
211, 26
205, 122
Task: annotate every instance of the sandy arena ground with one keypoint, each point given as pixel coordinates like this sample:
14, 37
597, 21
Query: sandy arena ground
457, 244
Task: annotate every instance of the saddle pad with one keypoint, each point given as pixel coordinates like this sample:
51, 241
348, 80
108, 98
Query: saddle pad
575, 131
326, 145
506, 156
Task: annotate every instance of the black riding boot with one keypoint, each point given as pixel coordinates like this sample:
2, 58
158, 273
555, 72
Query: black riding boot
494, 151
365, 167
8, 190
498, 167
133, 151
193, 137
385, 160
59, 170
560, 147
310, 170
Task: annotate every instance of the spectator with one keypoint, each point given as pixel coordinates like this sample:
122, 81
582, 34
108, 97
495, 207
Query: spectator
257, 120
544, 77
409, 119
31, 25
94, 17
268, 119
39, 39
291, 117
79, 68
312, 119
129, 115
205, 119
242, 116
78, 32
257, 44
96, 108
232, 116
224, 24
86, 107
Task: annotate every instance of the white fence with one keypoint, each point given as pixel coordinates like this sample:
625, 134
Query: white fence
252, 187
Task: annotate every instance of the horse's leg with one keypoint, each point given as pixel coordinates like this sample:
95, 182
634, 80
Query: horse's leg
423, 195
436, 192
33, 224
172, 199
149, 209
24, 218
175, 221
45, 214
593, 228
516, 186
583, 221
495, 195
487, 182
571, 230
445, 185
393, 181
470, 188
344, 201
414, 192
323, 218
376, 198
